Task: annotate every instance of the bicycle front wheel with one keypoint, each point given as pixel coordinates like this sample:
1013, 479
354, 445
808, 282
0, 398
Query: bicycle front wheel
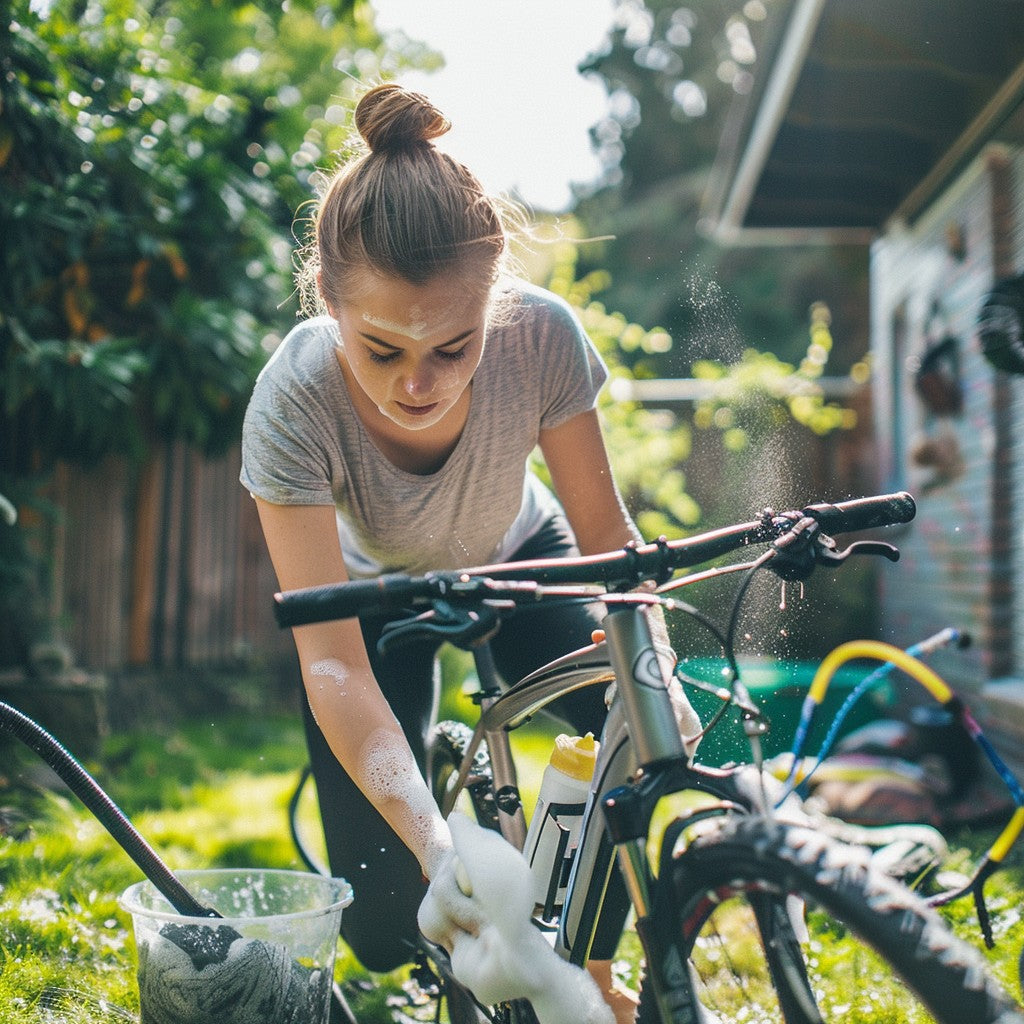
872, 950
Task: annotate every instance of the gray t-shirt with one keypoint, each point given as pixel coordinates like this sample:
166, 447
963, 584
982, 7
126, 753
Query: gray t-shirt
303, 444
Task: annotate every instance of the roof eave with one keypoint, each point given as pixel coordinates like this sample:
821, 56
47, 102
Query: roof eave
747, 147
736, 236
1009, 96
787, 63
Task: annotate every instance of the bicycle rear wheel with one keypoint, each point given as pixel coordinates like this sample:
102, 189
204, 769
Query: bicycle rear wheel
448, 745
873, 951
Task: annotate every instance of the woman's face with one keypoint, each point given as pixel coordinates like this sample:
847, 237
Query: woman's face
413, 349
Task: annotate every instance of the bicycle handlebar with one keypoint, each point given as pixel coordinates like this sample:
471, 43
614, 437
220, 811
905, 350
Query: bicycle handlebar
864, 513
630, 566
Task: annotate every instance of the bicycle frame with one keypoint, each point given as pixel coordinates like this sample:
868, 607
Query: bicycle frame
639, 735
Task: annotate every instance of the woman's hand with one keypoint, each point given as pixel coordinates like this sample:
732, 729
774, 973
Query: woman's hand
479, 908
448, 910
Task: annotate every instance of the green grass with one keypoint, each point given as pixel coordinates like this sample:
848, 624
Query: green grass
206, 794
211, 793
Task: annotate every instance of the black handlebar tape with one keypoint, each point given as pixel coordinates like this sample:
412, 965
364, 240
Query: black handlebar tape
347, 600
864, 513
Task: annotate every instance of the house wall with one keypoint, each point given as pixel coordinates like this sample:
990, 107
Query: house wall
961, 555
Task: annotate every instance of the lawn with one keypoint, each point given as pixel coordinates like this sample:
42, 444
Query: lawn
209, 792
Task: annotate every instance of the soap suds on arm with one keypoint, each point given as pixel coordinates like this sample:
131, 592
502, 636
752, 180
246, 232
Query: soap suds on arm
388, 774
365, 737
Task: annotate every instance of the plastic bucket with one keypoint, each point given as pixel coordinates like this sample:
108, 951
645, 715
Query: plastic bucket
268, 960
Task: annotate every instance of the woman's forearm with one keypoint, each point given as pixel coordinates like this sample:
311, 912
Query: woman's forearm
390, 779
368, 742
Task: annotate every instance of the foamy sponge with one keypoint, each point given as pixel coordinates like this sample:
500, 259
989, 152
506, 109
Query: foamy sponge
507, 958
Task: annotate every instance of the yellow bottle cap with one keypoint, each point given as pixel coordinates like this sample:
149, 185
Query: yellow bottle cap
575, 755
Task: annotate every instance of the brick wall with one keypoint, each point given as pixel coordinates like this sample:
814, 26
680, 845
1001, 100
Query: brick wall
959, 556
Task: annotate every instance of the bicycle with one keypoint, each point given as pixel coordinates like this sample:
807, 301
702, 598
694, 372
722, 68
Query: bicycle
737, 845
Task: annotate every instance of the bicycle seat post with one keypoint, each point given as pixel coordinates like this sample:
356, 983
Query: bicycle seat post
506, 783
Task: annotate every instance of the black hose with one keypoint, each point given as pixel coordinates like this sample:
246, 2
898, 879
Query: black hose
110, 816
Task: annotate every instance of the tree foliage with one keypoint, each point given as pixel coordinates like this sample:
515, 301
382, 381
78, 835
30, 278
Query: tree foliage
647, 447
760, 393
153, 154
673, 74
744, 406
152, 157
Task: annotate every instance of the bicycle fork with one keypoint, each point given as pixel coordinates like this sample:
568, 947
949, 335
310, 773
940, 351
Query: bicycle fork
511, 818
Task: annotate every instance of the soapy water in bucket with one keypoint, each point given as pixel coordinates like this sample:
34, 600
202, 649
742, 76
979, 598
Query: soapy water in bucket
268, 960
272, 962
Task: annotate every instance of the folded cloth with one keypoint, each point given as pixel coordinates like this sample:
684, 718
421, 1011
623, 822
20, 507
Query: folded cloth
256, 982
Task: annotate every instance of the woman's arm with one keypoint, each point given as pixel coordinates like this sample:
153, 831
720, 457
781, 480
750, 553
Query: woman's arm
577, 459
578, 462
343, 694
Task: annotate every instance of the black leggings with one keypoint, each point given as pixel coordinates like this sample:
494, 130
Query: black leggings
380, 925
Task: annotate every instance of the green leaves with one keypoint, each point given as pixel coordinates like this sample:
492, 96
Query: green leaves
647, 447
199, 373
152, 156
72, 399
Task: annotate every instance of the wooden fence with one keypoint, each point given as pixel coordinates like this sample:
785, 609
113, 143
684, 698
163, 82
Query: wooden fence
161, 566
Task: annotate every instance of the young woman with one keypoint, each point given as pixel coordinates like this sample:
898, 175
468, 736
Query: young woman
391, 432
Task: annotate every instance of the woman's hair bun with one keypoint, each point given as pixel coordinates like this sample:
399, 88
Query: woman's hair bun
389, 117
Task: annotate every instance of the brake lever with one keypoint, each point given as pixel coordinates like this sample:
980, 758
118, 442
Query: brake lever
860, 547
463, 627
803, 547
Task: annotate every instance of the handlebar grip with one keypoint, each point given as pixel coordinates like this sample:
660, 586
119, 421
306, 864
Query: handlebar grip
864, 513
345, 600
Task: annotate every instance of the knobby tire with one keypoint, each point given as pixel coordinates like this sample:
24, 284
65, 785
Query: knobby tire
763, 863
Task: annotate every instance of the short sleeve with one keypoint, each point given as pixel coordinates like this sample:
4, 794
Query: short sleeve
573, 372
281, 462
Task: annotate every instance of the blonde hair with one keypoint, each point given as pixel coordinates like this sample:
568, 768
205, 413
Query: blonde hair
403, 209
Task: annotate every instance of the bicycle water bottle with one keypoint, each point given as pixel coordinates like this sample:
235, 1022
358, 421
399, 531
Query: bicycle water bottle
555, 827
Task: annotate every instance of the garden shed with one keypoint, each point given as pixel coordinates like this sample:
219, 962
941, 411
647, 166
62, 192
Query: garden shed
900, 127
